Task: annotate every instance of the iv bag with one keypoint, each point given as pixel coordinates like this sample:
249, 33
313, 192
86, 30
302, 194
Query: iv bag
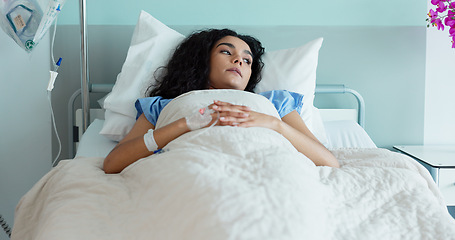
27, 21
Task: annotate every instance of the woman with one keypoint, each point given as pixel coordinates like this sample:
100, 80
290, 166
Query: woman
212, 59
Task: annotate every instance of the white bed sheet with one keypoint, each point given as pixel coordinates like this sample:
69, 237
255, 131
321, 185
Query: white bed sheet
237, 188
347, 134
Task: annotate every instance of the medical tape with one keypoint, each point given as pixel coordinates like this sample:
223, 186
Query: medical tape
199, 119
196, 121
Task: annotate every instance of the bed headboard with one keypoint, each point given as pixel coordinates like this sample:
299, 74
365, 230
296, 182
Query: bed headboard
342, 114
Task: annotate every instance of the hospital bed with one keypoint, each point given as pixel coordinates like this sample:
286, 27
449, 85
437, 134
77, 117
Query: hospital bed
343, 128
245, 184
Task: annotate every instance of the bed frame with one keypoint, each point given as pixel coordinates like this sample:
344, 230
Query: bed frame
76, 117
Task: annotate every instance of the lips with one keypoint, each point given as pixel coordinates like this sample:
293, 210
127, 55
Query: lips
235, 70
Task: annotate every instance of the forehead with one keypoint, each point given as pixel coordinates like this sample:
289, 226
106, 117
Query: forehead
237, 42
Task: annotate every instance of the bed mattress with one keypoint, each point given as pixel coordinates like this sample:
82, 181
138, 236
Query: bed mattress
93, 144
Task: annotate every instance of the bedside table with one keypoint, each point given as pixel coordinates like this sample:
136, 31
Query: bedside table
440, 162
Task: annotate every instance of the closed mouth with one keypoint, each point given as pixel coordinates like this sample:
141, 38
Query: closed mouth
236, 70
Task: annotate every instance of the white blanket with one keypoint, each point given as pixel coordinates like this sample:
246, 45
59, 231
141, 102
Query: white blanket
236, 183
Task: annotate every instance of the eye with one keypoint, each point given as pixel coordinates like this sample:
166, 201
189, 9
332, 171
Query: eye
247, 61
225, 52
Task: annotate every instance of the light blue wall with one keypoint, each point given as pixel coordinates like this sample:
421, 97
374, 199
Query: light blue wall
253, 12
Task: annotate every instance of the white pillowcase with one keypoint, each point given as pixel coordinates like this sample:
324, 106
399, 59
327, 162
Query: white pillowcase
153, 43
294, 70
150, 48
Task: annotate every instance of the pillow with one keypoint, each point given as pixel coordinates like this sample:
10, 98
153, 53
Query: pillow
116, 125
151, 46
318, 128
293, 70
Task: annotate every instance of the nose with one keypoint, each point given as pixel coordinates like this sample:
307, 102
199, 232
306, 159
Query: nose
237, 60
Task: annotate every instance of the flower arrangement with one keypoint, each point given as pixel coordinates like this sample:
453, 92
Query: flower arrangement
444, 14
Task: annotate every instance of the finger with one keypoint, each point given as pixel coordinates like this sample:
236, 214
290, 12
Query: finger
211, 106
234, 114
245, 124
231, 108
233, 119
221, 103
220, 106
224, 121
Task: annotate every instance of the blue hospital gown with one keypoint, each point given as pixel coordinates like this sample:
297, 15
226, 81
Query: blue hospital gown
284, 102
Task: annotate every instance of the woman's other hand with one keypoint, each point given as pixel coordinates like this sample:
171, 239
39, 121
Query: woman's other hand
242, 116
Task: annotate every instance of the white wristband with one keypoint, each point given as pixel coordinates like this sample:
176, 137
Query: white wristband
149, 141
199, 119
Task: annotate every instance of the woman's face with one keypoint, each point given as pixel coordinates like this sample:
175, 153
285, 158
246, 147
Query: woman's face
230, 64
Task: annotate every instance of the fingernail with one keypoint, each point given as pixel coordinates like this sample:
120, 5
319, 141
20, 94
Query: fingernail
215, 107
222, 118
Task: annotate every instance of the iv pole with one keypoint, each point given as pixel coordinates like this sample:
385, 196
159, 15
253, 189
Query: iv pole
84, 69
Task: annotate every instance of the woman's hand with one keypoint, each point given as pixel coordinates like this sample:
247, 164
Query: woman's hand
242, 116
290, 126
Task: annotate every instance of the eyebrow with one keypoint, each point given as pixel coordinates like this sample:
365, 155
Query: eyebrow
232, 46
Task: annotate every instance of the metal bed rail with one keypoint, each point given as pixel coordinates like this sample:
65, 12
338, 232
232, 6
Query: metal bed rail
340, 88
72, 130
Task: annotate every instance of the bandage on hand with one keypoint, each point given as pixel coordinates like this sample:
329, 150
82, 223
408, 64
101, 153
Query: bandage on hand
199, 119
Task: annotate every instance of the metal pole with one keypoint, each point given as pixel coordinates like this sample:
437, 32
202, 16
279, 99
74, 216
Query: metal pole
84, 69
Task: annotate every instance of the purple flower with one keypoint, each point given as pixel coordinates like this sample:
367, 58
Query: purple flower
448, 21
441, 7
449, 18
433, 15
435, 2
452, 32
451, 14
439, 24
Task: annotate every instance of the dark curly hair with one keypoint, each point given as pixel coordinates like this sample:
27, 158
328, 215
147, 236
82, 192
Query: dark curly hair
189, 67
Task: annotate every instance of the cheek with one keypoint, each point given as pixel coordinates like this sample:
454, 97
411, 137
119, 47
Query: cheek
214, 64
249, 73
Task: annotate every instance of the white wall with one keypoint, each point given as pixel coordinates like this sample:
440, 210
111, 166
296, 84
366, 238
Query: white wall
25, 125
439, 124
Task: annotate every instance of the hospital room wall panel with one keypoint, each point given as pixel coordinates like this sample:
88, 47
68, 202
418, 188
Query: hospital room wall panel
439, 86
253, 12
385, 64
25, 122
